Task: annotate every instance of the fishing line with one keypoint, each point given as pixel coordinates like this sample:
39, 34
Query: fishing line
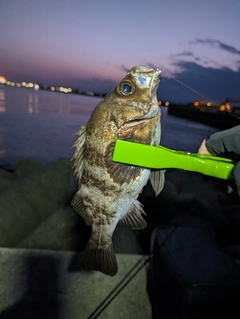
126, 279
120, 286
187, 86
143, 261
134, 271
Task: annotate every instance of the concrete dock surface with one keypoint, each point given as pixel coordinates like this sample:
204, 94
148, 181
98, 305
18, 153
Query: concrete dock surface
42, 284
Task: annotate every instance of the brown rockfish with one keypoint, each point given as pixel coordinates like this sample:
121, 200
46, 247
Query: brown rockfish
108, 190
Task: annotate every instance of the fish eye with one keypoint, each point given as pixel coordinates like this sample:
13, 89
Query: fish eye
126, 88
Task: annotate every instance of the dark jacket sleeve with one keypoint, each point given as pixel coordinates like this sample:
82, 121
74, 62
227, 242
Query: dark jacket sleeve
227, 141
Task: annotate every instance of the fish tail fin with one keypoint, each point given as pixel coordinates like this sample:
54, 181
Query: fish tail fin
103, 259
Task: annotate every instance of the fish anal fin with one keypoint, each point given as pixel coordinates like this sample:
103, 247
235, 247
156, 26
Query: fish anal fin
103, 260
133, 218
157, 179
79, 207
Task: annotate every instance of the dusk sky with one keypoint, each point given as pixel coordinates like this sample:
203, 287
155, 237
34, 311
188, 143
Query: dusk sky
90, 44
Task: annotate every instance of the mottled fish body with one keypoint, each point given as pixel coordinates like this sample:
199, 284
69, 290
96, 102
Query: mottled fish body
108, 191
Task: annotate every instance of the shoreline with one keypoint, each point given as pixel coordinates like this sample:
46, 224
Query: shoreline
220, 120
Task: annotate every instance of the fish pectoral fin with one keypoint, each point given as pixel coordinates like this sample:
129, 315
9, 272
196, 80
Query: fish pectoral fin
120, 173
79, 152
77, 204
157, 179
103, 260
133, 218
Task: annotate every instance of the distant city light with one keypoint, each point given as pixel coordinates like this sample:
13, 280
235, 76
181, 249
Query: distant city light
35, 86
228, 106
64, 90
2, 80
232, 106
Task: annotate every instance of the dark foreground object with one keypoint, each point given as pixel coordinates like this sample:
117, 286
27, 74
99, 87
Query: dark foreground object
190, 275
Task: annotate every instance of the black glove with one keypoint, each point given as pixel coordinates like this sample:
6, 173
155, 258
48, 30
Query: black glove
227, 143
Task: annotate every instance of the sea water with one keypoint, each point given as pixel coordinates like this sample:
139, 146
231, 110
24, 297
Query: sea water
42, 124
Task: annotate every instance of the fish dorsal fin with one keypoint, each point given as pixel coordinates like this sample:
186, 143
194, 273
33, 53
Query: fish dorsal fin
120, 173
133, 217
157, 179
79, 207
79, 152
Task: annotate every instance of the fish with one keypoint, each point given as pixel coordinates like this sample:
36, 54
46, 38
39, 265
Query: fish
108, 191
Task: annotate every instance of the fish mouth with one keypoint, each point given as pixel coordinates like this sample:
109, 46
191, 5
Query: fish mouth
133, 125
141, 120
135, 122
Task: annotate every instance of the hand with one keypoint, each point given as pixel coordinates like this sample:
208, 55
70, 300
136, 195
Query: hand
203, 149
227, 141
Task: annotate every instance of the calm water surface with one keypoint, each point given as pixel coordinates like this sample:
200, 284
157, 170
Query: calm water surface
42, 124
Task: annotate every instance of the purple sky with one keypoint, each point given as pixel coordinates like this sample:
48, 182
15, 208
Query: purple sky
90, 44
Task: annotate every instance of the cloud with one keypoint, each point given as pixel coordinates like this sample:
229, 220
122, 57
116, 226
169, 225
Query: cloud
185, 53
218, 44
198, 82
193, 81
